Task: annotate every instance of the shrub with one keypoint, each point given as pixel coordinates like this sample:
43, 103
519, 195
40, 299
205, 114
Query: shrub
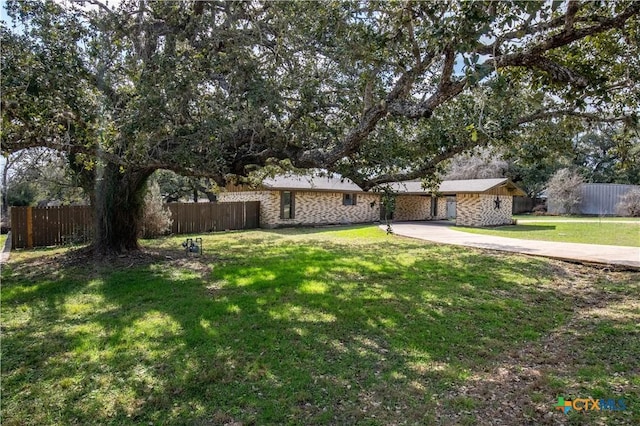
540, 210
156, 218
629, 204
22, 194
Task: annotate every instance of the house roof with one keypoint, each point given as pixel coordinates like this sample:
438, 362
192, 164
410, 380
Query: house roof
311, 183
467, 186
340, 184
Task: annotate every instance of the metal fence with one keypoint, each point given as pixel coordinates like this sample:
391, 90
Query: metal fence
50, 226
598, 199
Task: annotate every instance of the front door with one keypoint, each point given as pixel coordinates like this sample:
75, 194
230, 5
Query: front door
451, 207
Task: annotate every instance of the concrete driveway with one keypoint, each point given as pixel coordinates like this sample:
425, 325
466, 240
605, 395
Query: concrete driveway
6, 250
445, 233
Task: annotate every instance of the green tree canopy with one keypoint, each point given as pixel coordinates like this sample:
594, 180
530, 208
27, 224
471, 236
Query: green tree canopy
376, 91
37, 175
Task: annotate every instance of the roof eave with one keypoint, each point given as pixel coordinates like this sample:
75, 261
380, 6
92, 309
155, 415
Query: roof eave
286, 188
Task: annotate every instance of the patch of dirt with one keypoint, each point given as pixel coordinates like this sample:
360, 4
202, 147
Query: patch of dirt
54, 265
503, 393
128, 260
201, 265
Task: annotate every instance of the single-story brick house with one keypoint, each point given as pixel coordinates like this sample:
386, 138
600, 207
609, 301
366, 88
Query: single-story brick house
291, 200
473, 202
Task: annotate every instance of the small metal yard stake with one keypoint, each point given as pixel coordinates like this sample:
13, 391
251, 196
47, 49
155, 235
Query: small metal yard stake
193, 248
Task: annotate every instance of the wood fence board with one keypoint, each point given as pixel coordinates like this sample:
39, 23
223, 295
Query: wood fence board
73, 224
18, 227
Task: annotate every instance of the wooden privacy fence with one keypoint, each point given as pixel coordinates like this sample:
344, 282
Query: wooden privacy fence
189, 218
525, 204
50, 226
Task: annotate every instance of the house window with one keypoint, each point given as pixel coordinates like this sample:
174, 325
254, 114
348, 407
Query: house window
348, 199
287, 205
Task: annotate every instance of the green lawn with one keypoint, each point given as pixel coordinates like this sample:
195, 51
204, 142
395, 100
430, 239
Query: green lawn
324, 326
606, 233
535, 218
3, 239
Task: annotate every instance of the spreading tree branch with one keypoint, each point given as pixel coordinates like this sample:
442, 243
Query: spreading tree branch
546, 114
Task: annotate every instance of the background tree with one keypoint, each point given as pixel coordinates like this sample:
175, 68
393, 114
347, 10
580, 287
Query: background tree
539, 151
478, 164
564, 190
601, 154
174, 187
376, 91
629, 204
608, 156
38, 175
22, 193
9, 163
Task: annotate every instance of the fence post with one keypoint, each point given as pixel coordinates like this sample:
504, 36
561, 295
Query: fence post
29, 227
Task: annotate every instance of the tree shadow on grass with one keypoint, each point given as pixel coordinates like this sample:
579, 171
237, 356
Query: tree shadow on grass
311, 230
523, 228
312, 333
592, 355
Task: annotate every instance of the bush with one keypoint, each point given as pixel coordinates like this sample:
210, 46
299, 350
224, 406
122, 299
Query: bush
156, 219
22, 194
540, 210
629, 204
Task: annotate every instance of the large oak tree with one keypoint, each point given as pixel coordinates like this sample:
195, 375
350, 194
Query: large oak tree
376, 91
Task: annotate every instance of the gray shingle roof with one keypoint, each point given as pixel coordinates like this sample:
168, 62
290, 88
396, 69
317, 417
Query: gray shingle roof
340, 184
311, 183
466, 186
471, 185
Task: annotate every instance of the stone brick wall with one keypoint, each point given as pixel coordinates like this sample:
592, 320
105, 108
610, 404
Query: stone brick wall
441, 212
311, 207
479, 210
418, 207
318, 208
412, 207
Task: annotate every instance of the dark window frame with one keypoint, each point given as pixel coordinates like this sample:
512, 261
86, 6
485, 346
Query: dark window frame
349, 199
292, 205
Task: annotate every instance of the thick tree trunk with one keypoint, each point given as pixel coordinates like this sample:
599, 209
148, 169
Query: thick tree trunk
118, 203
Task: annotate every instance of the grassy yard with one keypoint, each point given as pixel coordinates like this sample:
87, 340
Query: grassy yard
606, 233
325, 326
596, 219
